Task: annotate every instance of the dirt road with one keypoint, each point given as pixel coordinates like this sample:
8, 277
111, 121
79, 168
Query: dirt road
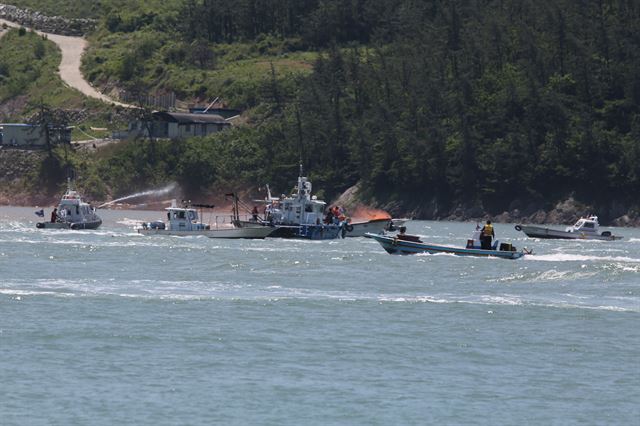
72, 49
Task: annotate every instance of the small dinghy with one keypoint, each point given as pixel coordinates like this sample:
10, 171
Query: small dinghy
586, 228
373, 226
412, 244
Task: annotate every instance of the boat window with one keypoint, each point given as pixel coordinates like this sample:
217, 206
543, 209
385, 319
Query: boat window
589, 225
308, 208
181, 215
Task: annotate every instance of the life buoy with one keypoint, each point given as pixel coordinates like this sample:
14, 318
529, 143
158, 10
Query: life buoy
349, 227
518, 228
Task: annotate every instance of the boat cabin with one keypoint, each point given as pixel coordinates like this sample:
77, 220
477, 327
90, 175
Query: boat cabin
301, 208
184, 219
585, 224
72, 209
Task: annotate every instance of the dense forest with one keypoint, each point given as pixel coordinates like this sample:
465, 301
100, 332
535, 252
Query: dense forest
496, 104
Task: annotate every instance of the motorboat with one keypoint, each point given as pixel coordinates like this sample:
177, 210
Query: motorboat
396, 223
402, 243
586, 228
184, 221
373, 226
300, 215
72, 213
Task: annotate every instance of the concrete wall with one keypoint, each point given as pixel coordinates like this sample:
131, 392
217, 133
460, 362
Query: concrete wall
22, 135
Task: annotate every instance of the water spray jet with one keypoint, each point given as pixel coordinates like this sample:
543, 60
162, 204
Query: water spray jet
162, 191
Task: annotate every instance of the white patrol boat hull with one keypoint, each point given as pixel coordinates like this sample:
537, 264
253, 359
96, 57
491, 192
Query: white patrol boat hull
550, 233
69, 225
257, 232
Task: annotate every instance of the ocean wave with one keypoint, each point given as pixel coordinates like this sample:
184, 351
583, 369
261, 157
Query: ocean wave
544, 276
249, 292
568, 257
18, 292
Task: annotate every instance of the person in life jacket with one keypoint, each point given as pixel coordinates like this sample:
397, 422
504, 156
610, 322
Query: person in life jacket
486, 235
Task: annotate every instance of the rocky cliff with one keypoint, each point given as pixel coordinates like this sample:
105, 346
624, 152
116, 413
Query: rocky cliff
564, 212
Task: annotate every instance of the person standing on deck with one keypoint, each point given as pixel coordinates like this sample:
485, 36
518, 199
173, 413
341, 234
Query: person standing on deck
486, 235
54, 215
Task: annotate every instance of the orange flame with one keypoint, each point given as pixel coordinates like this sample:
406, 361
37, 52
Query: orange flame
367, 213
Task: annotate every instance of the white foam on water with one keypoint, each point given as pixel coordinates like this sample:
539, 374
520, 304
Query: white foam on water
18, 292
568, 257
212, 291
131, 223
504, 300
554, 275
425, 254
627, 268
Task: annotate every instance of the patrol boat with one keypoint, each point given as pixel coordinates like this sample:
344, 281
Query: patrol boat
183, 221
73, 213
586, 228
300, 215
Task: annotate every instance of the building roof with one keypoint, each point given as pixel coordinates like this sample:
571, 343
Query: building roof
17, 125
186, 118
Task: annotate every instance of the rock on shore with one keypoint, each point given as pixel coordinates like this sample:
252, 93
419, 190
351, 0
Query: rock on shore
565, 212
50, 24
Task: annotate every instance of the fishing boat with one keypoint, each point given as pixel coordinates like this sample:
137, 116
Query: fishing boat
71, 213
300, 215
183, 221
411, 244
586, 228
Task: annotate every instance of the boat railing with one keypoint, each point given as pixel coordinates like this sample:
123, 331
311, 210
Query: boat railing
227, 221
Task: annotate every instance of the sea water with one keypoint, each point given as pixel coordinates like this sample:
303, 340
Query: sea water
110, 327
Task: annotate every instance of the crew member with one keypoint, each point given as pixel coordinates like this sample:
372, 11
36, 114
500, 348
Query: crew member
329, 218
486, 235
54, 215
254, 213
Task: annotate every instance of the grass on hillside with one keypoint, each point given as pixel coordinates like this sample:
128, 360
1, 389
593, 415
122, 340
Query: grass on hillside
155, 60
29, 71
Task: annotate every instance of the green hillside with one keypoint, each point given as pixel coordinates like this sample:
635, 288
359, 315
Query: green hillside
496, 105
